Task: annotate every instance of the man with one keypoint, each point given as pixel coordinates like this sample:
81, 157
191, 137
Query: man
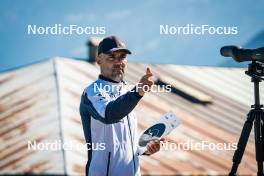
106, 110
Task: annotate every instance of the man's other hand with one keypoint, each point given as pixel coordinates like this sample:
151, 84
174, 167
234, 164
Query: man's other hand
154, 146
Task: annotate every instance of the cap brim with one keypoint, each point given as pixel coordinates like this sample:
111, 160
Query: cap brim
119, 49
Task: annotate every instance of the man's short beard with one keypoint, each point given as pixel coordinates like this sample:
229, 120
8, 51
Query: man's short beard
118, 77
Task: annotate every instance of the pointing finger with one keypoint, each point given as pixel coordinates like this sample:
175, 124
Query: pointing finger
148, 73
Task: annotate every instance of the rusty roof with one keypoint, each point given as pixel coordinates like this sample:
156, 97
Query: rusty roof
40, 103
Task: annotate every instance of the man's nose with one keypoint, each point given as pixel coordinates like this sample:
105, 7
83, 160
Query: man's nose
120, 64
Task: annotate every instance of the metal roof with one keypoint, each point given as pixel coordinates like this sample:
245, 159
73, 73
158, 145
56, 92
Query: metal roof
40, 102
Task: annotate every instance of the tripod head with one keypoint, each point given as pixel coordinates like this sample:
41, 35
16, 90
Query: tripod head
255, 71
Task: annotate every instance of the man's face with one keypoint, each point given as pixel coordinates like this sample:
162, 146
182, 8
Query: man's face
113, 65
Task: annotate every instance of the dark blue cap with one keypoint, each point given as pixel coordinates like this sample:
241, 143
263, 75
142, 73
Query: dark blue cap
111, 44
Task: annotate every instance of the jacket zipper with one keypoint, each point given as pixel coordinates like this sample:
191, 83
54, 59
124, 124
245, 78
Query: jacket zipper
131, 140
108, 163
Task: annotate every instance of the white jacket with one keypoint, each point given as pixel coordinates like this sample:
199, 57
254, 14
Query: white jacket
108, 119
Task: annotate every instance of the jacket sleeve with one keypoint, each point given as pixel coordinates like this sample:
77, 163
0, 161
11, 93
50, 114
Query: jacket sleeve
112, 111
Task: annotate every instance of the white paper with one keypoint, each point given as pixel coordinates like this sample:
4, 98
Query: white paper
158, 130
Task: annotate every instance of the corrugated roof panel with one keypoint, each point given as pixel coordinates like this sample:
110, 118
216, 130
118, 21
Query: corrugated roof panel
29, 112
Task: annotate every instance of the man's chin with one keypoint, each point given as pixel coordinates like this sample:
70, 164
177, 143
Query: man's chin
118, 77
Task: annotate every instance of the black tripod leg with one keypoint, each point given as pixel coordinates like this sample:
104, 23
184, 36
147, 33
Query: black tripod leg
258, 126
262, 130
242, 142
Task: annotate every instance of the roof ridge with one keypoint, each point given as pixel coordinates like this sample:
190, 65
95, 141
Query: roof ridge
57, 84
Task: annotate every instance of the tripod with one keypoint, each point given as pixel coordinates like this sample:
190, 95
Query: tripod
256, 115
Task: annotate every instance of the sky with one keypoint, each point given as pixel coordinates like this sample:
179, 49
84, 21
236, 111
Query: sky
136, 22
